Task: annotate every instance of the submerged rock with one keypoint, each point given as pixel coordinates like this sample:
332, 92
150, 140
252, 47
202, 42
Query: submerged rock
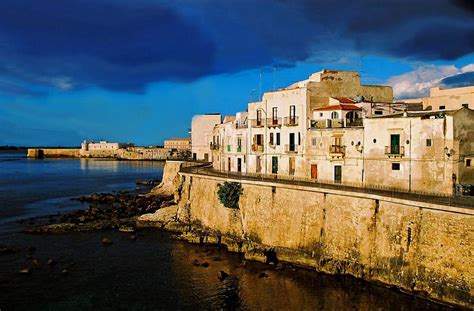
106, 241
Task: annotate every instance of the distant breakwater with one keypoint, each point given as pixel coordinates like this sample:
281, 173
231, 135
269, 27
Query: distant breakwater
132, 153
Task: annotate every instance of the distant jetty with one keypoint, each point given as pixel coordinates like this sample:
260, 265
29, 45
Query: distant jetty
108, 150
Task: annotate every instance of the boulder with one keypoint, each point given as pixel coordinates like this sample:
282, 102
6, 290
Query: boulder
106, 241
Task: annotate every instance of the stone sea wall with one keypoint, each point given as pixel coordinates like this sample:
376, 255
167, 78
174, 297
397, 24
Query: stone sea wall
422, 248
135, 153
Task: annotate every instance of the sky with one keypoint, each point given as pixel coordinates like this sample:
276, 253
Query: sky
138, 70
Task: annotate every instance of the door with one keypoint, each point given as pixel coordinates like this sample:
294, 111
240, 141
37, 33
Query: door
291, 147
292, 166
259, 164
274, 165
395, 144
314, 171
337, 173
228, 164
239, 165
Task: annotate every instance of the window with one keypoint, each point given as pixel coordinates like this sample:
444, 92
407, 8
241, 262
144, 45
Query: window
314, 141
320, 114
466, 105
395, 143
334, 115
259, 138
239, 141
395, 166
468, 162
442, 107
299, 138
259, 117
292, 111
378, 112
278, 139
428, 143
271, 139
275, 113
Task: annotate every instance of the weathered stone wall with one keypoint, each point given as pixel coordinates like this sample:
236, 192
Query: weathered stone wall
53, 153
135, 153
420, 247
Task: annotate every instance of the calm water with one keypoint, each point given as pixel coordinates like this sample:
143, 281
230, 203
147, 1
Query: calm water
154, 272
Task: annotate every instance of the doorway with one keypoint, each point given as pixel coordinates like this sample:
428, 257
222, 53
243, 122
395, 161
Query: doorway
314, 171
292, 166
291, 147
239, 165
274, 165
337, 173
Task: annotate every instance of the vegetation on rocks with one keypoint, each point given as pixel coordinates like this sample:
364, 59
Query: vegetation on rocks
229, 194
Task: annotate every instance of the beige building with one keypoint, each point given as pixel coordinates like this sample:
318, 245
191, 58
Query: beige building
446, 99
178, 143
201, 135
318, 129
102, 146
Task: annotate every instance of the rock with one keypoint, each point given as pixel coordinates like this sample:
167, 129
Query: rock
205, 264
263, 275
52, 262
222, 275
65, 272
36, 263
126, 229
106, 241
25, 270
133, 237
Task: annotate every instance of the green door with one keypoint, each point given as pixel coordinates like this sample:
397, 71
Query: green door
337, 173
395, 144
274, 165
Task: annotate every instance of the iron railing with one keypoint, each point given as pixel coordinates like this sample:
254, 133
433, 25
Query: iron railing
291, 121
273, 122
395, 150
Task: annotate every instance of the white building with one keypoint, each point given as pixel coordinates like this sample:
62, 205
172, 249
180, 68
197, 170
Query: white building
201, 135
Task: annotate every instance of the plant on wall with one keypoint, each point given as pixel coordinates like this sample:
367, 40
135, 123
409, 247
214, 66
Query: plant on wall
229, 194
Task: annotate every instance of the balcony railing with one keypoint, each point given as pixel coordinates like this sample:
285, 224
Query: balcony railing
273, 122
258, 123
337, 150
241, 125
289, 148
335, 123
257, 148
356, 122
214, 146
291, 121
395, 151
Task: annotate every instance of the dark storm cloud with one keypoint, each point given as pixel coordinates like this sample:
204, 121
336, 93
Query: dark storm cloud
460, 80
121, 45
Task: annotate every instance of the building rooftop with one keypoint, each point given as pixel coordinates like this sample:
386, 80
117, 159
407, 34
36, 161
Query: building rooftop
420, 114
177, 138
338, 107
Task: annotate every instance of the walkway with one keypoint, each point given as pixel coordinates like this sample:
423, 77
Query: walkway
457, 201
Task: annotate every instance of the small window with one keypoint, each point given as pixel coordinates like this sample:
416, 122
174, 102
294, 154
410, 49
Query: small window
468, 162
375, 140
395, 166
334, 115
320, 114
313, 141
378, 112
271, 138
465, 105
442, 107
428, 143
278, 139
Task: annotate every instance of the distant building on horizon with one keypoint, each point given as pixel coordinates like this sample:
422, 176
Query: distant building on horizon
446, 98
103, 145
178, 143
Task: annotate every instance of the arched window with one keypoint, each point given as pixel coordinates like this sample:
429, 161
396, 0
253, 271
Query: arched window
334, 115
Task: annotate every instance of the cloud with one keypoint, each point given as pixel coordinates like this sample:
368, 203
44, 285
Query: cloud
418, 82
120, 45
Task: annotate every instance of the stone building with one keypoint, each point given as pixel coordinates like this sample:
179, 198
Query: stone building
178, 143
446, 99
201, 135
103, 146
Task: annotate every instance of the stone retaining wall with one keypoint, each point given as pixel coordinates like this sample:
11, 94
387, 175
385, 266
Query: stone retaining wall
421, 248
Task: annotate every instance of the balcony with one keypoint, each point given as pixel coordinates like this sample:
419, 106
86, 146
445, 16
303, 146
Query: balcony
257, 148
395, 151
291, 148
214, 146
241, 125
335, 123
291, 121
337, 151
257, 123
274, 122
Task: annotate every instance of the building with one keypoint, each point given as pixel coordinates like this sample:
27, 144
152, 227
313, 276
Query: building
103, 146
201, 135
446, 99
316, 129
178, 143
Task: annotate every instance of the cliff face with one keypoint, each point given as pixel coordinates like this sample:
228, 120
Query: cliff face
420, 247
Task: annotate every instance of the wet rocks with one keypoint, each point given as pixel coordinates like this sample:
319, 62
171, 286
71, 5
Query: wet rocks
25, 270
222, 275
52, 262
4, 250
